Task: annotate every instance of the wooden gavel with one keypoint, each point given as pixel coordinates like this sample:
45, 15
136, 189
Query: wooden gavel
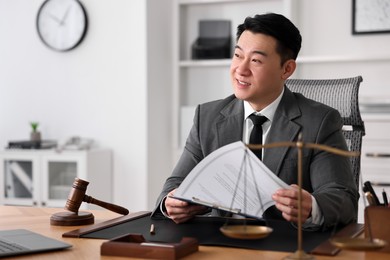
77, 196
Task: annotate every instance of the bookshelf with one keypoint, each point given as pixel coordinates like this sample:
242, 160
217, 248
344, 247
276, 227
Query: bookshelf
199, 81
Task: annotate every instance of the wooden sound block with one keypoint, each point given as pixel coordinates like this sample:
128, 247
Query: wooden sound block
72, 219
135, 245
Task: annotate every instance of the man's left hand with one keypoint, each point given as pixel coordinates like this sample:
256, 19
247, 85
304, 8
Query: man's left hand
287, 202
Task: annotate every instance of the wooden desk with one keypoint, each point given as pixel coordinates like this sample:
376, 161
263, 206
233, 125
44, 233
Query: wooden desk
38, 220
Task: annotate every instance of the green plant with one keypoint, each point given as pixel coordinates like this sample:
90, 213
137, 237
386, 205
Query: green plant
34, 126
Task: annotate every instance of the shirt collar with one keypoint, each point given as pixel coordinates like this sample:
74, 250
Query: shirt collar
268, 111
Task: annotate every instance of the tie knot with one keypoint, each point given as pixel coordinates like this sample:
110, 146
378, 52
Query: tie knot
258, 120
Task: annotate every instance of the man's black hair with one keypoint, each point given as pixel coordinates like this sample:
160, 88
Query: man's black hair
288, 37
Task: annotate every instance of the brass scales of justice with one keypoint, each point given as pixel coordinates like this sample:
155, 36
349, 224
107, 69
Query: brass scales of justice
257, 232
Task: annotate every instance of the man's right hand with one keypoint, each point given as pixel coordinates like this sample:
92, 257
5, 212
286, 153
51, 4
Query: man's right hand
181, 211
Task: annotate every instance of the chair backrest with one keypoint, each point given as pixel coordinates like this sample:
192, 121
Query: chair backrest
341, 94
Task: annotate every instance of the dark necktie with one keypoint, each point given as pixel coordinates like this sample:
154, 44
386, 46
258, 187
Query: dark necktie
257, 132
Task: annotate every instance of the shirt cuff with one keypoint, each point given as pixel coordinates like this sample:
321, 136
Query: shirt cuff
163, 209
316, 215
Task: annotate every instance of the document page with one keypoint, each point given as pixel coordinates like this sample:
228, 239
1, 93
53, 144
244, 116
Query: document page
233, 179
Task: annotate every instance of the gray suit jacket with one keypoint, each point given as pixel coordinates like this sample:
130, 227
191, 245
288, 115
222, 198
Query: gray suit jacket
327, 176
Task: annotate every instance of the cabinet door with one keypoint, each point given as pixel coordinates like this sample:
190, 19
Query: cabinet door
58, 174
19, 178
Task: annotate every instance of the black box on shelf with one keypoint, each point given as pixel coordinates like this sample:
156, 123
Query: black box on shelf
44, 144
214, 41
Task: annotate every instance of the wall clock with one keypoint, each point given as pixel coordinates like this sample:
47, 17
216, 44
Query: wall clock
62, 24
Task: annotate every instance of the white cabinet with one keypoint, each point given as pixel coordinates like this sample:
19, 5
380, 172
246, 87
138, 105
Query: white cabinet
199, 81
375, 157
45, 177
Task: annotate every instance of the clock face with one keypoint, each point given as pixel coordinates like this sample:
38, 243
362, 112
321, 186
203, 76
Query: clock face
62, 24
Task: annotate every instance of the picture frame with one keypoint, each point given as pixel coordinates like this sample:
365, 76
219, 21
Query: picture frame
370, 16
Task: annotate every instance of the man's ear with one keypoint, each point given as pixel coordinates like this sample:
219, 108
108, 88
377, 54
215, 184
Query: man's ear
288, 68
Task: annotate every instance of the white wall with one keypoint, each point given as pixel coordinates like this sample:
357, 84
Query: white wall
98, 90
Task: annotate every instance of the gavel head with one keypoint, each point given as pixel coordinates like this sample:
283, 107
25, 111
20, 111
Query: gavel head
76, 195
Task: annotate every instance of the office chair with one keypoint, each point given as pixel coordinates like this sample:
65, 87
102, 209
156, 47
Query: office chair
341, 94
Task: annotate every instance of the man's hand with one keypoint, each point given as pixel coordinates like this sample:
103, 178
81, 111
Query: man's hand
287, 202
181, 211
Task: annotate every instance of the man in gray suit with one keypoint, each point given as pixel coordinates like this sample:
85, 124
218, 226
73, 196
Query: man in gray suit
264, 58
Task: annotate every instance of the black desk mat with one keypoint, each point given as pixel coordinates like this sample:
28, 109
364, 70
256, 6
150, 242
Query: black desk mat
206, 230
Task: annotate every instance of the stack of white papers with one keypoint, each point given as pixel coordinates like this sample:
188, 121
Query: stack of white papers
233, 179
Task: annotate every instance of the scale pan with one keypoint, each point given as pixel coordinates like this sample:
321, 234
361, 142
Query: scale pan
358, 244
246, 231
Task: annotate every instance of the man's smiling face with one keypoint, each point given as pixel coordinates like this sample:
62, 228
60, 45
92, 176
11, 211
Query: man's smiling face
256, 71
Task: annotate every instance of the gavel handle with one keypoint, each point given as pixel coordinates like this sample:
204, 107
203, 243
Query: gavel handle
109, 206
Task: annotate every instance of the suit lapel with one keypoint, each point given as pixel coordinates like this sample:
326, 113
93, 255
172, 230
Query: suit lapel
283, 128
230, 125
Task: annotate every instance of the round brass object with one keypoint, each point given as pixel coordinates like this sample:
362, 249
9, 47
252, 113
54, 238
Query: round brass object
358, 244
246, 231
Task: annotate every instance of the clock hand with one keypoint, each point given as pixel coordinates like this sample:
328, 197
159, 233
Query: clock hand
62, 22
55, 18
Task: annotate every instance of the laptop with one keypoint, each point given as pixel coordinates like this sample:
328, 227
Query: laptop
21, 241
